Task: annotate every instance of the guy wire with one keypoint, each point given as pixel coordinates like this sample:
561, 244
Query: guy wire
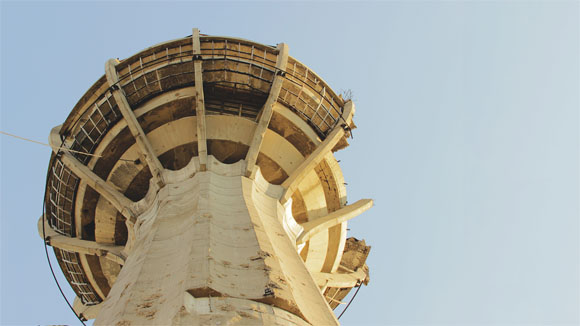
57, 148
46, 249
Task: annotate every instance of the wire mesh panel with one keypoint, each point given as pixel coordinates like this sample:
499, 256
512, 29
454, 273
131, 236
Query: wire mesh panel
233, 69
94, 124
310, 97
62, 185
238, 65
237, 76
233, 106
71, 267
155, 70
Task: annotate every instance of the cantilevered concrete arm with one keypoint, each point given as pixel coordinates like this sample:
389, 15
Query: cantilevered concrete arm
339, 280
119, 201
266, 115
60, 241
332, 219
199, 101
86, 312
142, 142
292, 182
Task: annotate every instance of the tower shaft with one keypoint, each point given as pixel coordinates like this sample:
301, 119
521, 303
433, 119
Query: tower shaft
212, 246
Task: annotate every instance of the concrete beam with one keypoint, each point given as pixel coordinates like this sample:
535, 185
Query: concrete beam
86, 312
267, 110
86, 247
335, 218
291, 184
123, 204
199, 101
338, 280
144, 145
317, 156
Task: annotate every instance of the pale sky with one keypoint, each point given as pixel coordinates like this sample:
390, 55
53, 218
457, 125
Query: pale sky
467, 140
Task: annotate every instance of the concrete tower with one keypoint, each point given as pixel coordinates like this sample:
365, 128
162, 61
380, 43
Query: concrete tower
195, 183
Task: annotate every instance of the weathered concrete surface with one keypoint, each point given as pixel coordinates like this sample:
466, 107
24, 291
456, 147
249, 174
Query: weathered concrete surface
213, 234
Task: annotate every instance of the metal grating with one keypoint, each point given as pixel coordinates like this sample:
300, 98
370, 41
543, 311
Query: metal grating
216, 105
240, 68
73, 271
62, 185
156, 71
224, 100
238, 65
310, 97
94, 125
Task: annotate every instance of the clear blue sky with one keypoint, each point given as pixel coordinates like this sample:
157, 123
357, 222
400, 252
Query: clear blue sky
468, 140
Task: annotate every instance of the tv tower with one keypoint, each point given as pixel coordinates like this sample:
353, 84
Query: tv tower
195, 183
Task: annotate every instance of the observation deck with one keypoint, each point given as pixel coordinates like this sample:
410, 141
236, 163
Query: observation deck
192, 105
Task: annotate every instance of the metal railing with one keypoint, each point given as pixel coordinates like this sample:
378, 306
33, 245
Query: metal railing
310, 97
241, 69
94, 124
73, 271
62, 185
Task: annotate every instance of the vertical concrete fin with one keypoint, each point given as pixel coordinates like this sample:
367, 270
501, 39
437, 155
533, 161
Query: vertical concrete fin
136, 130
267, 110
199, 100
296, 278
